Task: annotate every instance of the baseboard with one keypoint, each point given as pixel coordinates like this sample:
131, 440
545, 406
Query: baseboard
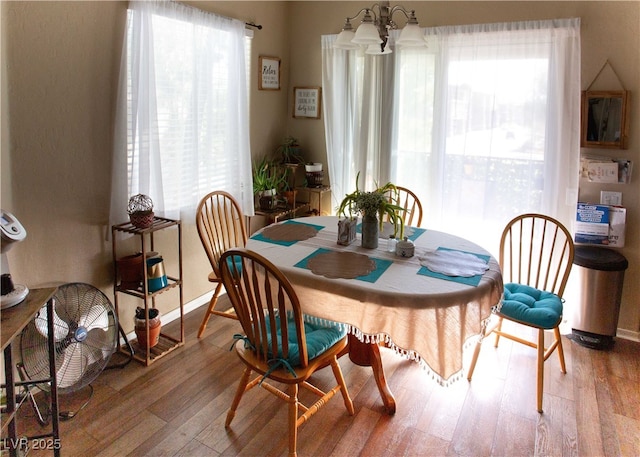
628, 335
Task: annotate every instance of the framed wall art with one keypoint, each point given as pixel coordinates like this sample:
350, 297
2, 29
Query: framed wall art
306, 102
269, 77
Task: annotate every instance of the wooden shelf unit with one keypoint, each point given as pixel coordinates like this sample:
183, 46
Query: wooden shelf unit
166, 343
281, 214
318, 192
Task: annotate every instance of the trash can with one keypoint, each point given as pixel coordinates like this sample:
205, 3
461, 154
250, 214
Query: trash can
601, 274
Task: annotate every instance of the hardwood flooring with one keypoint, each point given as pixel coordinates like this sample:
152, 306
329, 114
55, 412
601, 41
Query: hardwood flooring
177, 407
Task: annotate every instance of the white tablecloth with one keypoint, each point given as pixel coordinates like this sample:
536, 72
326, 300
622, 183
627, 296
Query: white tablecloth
426, 318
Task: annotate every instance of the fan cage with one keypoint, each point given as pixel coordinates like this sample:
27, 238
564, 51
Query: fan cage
85, 335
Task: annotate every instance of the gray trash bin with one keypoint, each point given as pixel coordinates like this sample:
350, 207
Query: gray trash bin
601, 274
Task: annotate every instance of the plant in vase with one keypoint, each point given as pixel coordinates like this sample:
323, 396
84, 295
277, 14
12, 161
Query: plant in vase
267, 179
373, 206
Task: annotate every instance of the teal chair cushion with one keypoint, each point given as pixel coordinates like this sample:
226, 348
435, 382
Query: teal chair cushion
530, 305
319, 336
235, 265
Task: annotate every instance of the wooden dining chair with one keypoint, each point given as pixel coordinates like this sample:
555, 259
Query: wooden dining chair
220, 224
536, 255
279, 342
412, 212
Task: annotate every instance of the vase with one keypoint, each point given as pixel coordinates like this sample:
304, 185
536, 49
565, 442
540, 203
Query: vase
370, 228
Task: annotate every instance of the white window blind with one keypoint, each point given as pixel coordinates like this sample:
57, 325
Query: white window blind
183, 128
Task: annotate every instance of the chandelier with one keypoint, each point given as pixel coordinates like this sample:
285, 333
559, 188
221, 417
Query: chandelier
373, 32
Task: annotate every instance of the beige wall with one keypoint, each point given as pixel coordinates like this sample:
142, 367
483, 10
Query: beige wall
59, 77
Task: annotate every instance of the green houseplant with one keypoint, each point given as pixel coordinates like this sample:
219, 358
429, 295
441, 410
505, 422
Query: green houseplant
290, 151
268, 178
374, 207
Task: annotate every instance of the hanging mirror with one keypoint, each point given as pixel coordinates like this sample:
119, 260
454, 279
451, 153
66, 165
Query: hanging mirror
605, 119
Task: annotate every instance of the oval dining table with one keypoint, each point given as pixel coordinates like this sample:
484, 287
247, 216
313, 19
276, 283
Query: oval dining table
423, 310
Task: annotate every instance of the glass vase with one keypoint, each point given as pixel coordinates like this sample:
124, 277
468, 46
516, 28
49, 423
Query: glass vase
370, 228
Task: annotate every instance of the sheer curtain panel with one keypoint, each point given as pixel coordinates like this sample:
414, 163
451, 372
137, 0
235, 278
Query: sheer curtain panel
182, 121
484, 124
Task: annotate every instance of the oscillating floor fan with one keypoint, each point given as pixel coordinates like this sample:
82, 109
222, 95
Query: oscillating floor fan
85, 334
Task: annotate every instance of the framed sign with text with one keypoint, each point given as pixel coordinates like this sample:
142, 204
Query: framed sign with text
306, 102
269, 77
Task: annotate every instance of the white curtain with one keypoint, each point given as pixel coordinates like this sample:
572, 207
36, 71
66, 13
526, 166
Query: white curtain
182, 122
485, 124
355, 117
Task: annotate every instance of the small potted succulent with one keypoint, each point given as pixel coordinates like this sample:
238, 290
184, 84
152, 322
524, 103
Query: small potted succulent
140, 211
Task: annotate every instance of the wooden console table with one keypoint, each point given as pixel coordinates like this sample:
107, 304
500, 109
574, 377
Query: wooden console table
14, 320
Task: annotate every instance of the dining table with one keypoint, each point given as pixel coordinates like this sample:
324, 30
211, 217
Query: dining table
426, 307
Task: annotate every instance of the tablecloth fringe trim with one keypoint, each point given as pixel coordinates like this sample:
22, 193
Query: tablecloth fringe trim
406, 354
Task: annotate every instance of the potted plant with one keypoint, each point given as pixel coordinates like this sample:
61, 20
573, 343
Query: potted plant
313, 174
288, 192
267, 179
373, 207
290, 151
153, 316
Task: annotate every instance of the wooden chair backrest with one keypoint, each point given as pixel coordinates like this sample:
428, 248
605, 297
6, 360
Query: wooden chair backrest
412, 214
538, 251
220, 224
259, 292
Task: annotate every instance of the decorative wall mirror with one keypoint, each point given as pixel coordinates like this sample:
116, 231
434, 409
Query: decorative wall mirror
605, 119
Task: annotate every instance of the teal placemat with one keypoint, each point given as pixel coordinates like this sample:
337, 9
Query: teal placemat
381, 265
261, 237
470, 281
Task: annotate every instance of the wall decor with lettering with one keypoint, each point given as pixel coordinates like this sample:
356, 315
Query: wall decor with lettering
269, 77
307, 102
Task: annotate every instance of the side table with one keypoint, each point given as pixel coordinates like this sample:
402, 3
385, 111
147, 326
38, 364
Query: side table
14, 320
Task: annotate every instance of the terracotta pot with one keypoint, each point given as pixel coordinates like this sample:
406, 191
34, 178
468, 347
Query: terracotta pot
290, 195
154, 332
130, 271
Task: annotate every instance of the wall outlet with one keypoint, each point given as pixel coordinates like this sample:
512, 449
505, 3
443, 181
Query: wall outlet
610, 198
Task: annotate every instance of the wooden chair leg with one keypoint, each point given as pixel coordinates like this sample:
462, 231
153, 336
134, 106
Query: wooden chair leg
474, 359
498, 330
540, 370
556, 332
337, 372
212, 305
242, 387
293, 419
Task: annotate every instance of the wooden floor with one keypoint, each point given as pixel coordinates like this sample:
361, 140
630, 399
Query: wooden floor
177, 407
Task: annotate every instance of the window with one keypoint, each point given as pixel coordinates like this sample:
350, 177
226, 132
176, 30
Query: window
483, 123
183, 128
